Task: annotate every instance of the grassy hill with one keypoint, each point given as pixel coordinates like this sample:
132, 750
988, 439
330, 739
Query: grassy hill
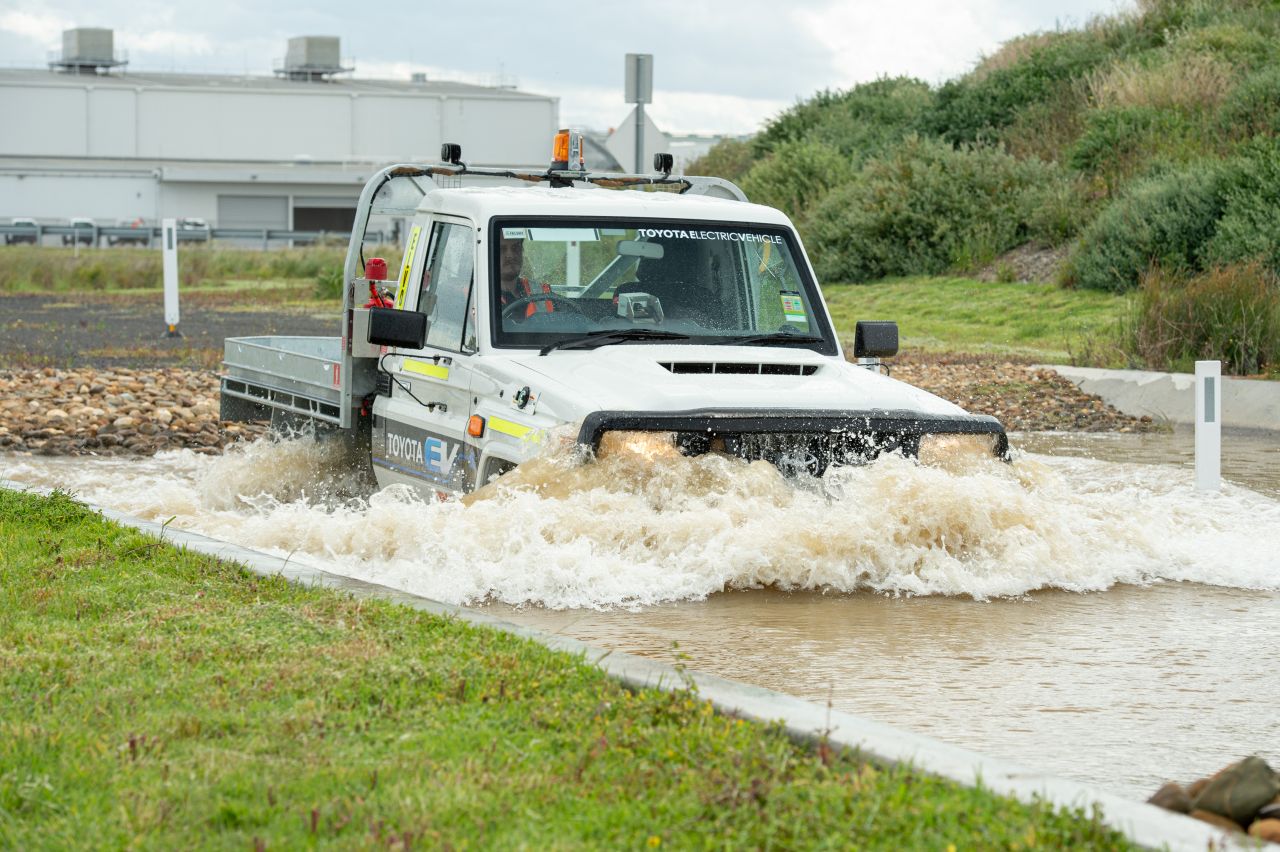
1145, 144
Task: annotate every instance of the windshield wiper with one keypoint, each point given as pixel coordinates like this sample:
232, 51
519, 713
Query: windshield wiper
618, 335
770, 339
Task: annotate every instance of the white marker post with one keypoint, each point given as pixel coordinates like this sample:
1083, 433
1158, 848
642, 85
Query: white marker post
1208, 425
169, 246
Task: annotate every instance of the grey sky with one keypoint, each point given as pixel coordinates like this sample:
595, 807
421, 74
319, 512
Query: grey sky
719, 66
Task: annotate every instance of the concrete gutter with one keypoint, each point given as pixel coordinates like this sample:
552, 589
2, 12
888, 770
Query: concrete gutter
1144, 824
1170, 397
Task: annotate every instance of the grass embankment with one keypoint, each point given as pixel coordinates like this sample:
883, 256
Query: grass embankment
1038, 322
1142, 147
158, 698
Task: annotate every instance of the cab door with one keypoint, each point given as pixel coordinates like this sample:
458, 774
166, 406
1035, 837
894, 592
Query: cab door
420, 428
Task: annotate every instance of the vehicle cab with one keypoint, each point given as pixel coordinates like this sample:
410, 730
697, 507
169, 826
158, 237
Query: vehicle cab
567, 305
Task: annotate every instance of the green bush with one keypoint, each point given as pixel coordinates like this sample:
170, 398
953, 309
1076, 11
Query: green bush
1119, 142
329, 283
1253, 106
1250, 223
729, 159
979, 106
1056, 208
1230, 313
796, 176
1164, 220
860, 122
921, 209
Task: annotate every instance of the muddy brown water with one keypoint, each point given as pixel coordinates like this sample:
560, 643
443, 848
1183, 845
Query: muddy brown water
1081, 611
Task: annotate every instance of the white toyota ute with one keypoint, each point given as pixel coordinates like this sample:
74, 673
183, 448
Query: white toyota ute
595, 305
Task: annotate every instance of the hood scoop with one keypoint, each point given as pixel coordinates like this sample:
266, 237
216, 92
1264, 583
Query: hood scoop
737, 368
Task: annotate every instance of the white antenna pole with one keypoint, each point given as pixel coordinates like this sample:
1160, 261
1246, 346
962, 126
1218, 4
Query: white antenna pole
1208, 425
169, 247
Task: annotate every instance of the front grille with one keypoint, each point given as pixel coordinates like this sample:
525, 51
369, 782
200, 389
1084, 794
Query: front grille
802, 452
737, 368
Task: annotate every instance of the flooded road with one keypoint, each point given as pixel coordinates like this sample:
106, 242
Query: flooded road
1081, 611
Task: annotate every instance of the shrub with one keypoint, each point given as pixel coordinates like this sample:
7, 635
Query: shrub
1242, 46
1056, 208
796, 176
1230, 313
1166, 220
1047, 129
860, 122
729, 159
329, 283
1253, 106
920, 209
1120, 142
979, 106
1250, 222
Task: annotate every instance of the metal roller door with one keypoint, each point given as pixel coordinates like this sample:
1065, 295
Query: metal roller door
253, 211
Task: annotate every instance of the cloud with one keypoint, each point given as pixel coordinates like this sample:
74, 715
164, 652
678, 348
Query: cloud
41, 27
929, 39
166, 42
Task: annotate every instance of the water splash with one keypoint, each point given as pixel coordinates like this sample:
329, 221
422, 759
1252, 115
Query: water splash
644, 525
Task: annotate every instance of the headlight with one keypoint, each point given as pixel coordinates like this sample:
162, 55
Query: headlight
942, 449
649, 446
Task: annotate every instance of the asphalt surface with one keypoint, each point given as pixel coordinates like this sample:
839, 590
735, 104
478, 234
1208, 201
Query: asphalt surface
73, 331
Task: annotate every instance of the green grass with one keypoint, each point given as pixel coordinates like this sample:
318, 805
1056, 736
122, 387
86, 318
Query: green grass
155, 698
1043, 322
43, 269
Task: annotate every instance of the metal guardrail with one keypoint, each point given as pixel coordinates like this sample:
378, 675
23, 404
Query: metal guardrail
123, 235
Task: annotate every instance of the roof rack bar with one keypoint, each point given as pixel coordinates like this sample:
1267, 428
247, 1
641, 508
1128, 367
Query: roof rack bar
693, 184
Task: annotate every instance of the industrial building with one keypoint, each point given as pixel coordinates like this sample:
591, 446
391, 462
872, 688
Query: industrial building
88, 138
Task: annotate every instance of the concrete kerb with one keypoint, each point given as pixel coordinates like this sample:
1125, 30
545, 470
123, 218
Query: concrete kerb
1144, 824
1170, 397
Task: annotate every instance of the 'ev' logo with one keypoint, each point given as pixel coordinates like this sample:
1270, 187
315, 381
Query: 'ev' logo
438, 455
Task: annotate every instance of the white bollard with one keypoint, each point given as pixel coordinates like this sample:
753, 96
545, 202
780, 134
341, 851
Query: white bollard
169, 246
1208, 425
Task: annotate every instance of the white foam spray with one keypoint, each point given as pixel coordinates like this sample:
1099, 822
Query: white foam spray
633, 529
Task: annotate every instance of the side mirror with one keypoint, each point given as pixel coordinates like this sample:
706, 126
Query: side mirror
873, 339
390, 327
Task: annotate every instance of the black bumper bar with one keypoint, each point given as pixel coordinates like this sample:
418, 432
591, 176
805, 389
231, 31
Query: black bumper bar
819, 422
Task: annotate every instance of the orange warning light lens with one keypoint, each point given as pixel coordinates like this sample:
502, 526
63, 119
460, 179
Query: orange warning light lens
475, 426
560, 150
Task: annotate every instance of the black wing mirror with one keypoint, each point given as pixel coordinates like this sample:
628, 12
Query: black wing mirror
875, 339
390, 327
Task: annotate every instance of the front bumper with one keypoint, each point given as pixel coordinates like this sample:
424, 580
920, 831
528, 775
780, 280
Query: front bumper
809, 440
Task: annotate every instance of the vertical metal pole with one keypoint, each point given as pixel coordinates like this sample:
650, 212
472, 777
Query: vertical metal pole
169, 247
573, 264
640, 169
1208, 425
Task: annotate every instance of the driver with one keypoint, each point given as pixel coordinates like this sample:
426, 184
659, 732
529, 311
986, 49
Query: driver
512, 286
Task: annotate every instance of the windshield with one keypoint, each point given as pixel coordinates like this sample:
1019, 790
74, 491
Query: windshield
557, 281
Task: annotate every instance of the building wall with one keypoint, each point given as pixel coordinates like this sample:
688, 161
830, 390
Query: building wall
54, 197
117, 150
59, 119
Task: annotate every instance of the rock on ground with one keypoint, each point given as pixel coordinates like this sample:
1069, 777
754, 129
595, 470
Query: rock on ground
142, 411
1022, 398
114, 412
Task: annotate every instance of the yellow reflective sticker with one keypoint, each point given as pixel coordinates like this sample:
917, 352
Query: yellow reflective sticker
409, 251
509, 427
764, 260
423, 368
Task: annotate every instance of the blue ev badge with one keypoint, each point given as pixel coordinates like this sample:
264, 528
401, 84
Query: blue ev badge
425, 455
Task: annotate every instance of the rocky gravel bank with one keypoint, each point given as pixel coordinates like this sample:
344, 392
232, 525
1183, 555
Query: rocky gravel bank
113, 411
1024, 399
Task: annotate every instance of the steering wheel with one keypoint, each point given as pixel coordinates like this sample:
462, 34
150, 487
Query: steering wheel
508, 310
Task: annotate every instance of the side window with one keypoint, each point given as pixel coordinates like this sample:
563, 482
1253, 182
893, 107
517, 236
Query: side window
446, 284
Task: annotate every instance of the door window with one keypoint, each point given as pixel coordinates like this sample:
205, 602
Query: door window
446, 284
